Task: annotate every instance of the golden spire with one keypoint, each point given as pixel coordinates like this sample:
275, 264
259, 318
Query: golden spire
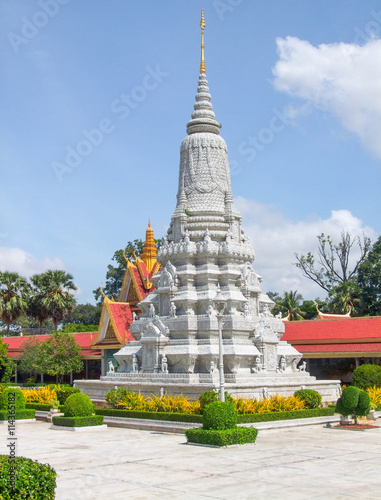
202, 26
149, 250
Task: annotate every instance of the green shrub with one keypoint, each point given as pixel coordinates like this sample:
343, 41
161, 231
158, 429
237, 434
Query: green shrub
149, 415
238, 435
22, 414
115, 395
210, 397
12, 397
5, 386
206, 398
64, 392
78, 405
312, 399
285, 415
354, 402
366, 376
87, 421
41, 407
23, 478
219, 416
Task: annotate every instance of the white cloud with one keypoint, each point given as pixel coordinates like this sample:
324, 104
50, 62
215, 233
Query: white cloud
341, 78
276, 239
17, 260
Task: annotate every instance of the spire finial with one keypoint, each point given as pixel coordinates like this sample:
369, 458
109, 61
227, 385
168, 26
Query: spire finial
202, 26
148, 255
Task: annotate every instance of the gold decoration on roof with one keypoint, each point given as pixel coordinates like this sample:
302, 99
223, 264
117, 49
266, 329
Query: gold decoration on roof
202, 26
149, 250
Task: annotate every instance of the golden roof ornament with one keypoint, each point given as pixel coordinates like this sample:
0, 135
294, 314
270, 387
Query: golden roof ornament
202, 26
149, 250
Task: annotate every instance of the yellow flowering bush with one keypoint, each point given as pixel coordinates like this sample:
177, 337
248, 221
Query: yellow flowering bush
181, 404
174, 404
374, 394
43, 395
273, 403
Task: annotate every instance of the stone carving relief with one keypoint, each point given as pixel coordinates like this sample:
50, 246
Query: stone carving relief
249, 278
164, 364
135, 364
172, 310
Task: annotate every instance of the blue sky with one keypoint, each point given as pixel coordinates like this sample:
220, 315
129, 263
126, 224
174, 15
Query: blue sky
295, 84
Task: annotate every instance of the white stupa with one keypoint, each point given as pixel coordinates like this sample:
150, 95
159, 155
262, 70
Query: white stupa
205, 255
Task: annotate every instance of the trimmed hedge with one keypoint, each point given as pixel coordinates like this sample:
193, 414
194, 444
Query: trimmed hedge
17, 400
285, 415
19, 415
242, 419
149, 415
78, 405
42, 407
24, 478
219, 416
237, 435
78, 421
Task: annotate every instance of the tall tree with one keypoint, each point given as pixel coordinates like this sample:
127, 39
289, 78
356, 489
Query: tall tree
369, 280
344, 298
60, 355
331, 265
7, 365
31, 357
36, 309
14, 291
54, 298
85, 314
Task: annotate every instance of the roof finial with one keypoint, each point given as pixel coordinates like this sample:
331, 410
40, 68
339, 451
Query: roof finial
202, 26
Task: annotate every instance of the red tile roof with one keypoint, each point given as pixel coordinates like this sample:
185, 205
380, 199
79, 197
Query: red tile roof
122, 317
84, 339
339, 336
355, 329
374, 347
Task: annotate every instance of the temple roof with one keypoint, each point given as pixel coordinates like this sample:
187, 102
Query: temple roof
116, 317
84, 339
351, 335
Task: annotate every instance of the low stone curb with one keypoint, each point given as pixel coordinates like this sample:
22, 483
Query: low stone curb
79, 429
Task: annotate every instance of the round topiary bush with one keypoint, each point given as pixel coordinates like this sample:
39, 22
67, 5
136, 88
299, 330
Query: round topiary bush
13, 396
78, 405
219, 416
312, 399
366, 376
354, 402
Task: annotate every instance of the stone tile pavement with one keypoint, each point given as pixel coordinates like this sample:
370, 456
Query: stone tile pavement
311, 462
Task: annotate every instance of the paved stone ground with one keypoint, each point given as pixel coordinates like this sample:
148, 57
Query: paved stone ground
311, 462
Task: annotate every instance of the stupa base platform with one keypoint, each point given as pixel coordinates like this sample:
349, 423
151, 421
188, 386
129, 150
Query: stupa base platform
192, 385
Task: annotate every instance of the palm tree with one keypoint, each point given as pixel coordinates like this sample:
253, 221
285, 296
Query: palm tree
53, 299
291, 304
14, 291
35, 307
345, 297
